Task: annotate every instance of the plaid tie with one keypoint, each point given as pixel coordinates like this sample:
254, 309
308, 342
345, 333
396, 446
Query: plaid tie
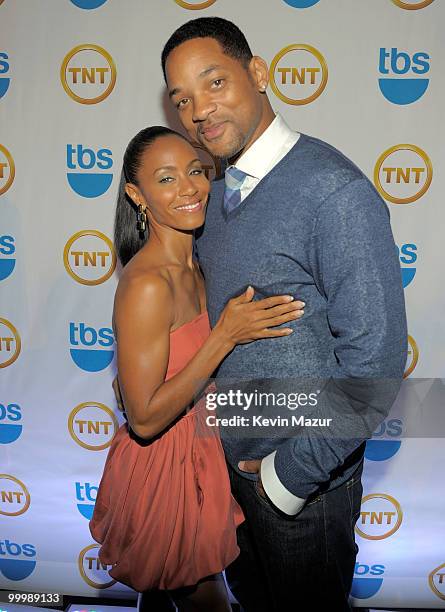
234, 179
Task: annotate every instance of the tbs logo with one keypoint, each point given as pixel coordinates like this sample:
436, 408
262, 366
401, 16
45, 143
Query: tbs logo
298, 74
89, 257
88, 184
367, 580
14, 496
412, 357
16, 560
380, 517
86, 496
92, 425
436, 581
88, 74
10, 343
10, 428
92, 570
385, 441
7, 169
4, 69
395, 65
301, 4
84, 338
403, 173
408, 257
7, 262
88, 4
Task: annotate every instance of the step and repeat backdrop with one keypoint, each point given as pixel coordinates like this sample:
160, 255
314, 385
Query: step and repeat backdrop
78, 78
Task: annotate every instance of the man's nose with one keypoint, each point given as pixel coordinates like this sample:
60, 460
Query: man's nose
203, 106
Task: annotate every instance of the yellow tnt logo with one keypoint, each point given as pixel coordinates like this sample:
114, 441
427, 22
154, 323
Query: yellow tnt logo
88, 74
298, 74
403, 174
7, 169
195, 6
89, 257
14, 496
380, 517
412, 5
436, 581
412, 357
92, 425
10, 343
92, 570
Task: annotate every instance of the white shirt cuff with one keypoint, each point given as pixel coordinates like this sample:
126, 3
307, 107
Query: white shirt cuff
281, 497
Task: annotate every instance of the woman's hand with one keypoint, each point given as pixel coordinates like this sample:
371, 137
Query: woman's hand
243, 320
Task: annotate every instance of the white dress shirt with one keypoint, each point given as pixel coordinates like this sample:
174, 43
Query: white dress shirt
273, 144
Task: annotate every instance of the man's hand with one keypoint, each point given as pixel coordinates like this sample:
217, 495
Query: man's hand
253, 467
117, 394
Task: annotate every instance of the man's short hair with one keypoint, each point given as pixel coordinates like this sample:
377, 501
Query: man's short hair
226, 33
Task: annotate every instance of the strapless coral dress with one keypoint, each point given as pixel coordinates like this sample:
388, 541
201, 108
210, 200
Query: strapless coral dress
164, 513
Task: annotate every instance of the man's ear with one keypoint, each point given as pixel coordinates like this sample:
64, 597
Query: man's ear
259, 72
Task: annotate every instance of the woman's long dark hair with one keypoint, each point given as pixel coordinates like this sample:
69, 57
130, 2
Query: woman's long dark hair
127, 239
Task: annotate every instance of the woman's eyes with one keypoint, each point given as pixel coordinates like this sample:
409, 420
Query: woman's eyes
166, 179
196, 171
169, 179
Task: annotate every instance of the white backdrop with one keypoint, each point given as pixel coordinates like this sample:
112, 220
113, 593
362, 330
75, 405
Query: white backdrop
78, 78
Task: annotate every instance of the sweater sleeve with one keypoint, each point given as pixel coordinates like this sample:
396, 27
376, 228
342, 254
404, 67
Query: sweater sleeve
356, 268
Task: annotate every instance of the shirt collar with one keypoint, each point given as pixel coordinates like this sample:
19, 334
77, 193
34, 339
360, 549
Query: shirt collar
258, 159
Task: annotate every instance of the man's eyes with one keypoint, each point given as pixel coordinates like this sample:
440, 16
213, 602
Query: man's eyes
218, 82
182, 102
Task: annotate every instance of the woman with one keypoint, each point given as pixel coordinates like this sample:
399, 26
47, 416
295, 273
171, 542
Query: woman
164, 513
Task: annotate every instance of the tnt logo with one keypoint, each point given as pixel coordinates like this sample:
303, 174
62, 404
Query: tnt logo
16, 560
10, 428
7, 250
298, 74
10, 343
412, 357
92, 570
211, 165
14, 496
88, 4
365, 583
408, 257
436, 581
86, 496
89, 257
380, 517
7, 170
395, 65
195, 6
385, 441
301, 4
403, 173
4, 69
88, 358
412, 5
84, 181
93, 426
88, 74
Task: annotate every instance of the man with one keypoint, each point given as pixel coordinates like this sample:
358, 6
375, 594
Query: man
293, 216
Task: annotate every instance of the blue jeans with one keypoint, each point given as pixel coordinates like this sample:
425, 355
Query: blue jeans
299, 563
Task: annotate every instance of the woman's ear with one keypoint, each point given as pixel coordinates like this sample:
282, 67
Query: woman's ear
134, 194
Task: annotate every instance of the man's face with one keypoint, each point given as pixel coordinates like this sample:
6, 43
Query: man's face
217, 98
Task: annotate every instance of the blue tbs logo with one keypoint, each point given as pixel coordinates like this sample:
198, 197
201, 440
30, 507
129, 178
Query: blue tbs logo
81, 160
365, 583
16, 560
4, 69
301, 4
86, 496
88, 4
7, 261
10, 428
408, 257
396, 84
82, 340
382, 449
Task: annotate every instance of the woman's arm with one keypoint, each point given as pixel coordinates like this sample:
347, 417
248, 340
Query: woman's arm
143, 316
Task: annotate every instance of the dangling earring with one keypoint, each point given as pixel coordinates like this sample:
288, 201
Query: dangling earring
141, 219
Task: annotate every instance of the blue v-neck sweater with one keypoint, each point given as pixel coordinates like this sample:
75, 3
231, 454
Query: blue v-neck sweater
315, 228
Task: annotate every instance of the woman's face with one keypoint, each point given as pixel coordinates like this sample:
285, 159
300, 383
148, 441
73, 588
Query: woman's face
172, 184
